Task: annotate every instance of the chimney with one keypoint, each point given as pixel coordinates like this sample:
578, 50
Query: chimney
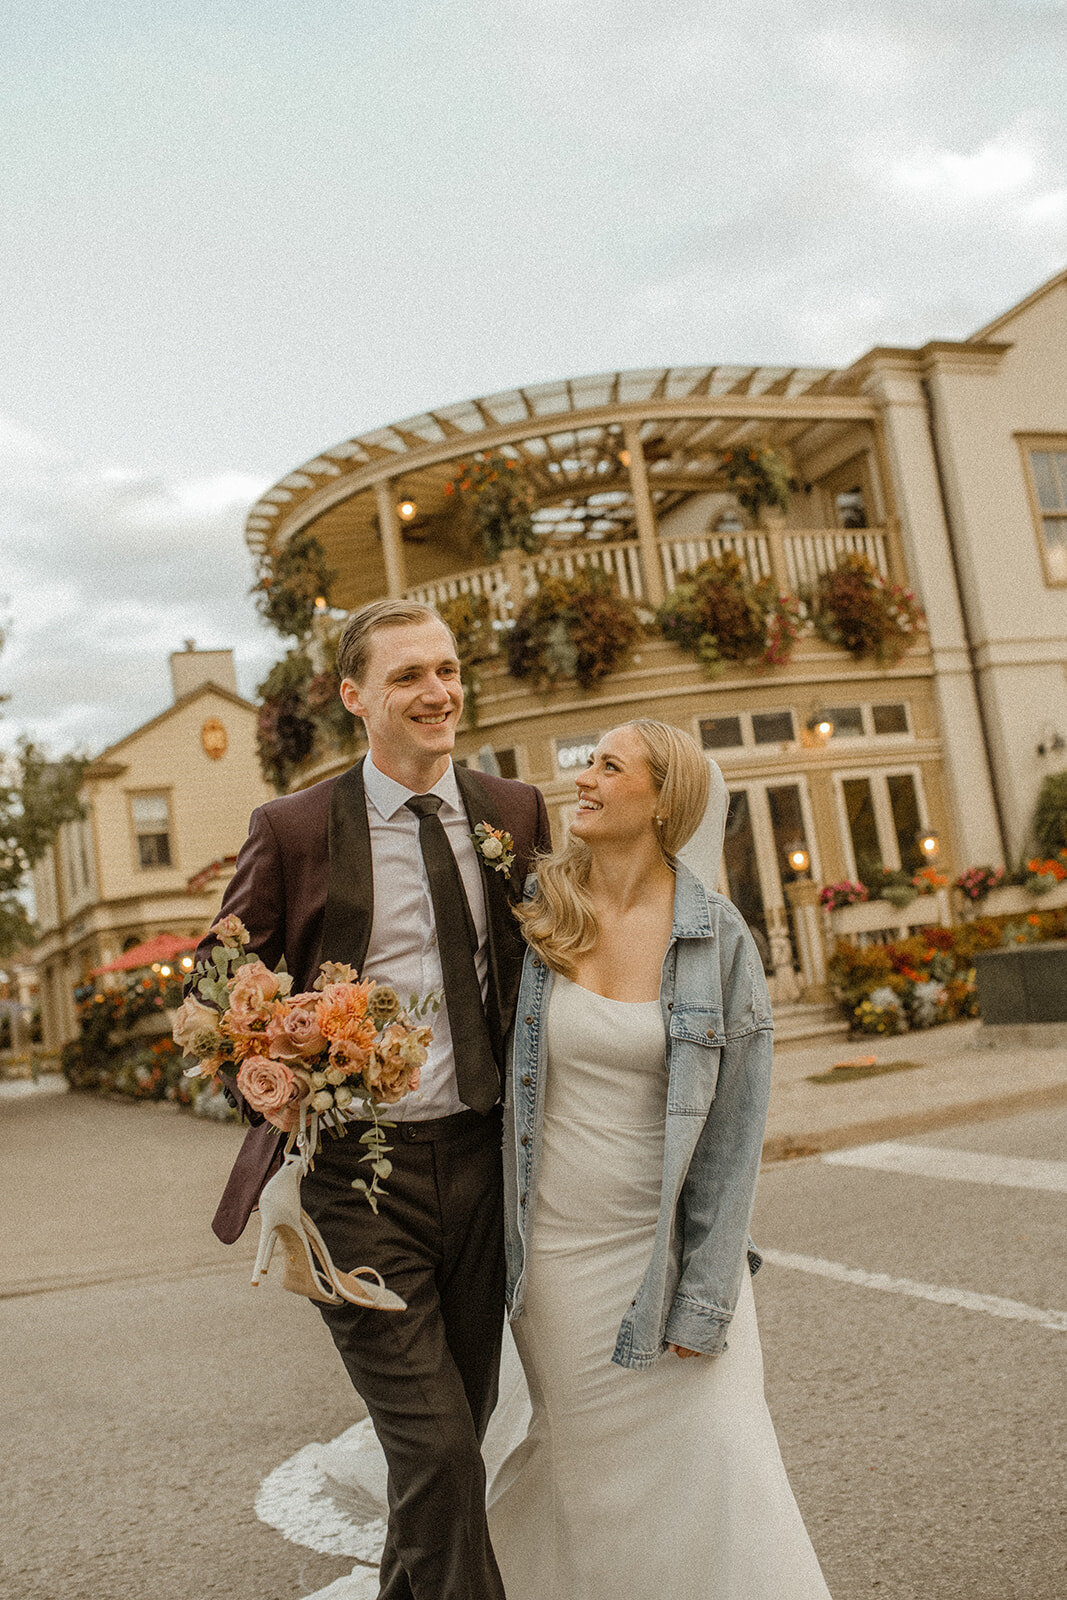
191, 668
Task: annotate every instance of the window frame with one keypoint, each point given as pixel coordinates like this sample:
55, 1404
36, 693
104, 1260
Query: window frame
136, 832
748, 748
1029, 443
883, 810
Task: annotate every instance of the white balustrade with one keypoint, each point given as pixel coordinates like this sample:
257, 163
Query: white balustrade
808, 555
682, 555
621, 561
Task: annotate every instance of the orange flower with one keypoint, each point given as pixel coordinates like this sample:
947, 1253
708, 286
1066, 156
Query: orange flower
342, 1013
1034, 920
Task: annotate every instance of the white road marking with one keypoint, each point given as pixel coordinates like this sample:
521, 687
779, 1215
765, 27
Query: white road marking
992, 1304
966, 1166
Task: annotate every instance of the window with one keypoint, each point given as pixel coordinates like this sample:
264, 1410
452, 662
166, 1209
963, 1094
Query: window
849, 509
890, 718
720, 733
772, 727
884, 817
847, 721
151, 825
506, 762
1048, 493
574, 753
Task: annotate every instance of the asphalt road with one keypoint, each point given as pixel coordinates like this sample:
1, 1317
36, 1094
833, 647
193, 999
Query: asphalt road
145, 1401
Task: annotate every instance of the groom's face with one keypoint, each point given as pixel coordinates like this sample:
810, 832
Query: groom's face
410, 699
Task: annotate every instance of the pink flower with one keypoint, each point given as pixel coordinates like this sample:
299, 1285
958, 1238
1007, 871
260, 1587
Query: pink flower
269, 1086
231, 932
293, 1030
253, 988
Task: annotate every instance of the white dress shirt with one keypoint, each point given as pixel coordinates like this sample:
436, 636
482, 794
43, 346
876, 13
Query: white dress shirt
403, 948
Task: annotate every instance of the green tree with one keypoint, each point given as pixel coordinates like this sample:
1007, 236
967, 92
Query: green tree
37, 796
1050, 814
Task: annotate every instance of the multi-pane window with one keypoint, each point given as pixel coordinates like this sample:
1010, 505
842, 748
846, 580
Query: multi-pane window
865, 721
1048, 472
151, 826
747, 729
884, 818
721, 733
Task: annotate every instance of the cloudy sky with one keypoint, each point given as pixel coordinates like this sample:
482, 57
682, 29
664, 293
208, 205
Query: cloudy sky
235, 233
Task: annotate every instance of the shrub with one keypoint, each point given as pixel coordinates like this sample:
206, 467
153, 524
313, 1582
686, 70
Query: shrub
1050, 814
572, 628
854, 607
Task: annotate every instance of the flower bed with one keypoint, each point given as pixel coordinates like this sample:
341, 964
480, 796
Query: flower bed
929, 977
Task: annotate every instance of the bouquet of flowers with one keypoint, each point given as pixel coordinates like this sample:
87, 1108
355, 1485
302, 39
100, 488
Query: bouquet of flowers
835, 895
307, 1062
977, 882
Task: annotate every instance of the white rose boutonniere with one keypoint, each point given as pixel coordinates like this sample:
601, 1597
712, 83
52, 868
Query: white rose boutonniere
495, 846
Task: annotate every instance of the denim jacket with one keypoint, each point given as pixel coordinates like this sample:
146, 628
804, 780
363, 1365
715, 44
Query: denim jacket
719, 1033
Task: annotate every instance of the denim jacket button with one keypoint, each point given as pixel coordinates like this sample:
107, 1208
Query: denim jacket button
522, 1199
525, 1139
710, 1034
526, 1080
670, 1005
528, 1019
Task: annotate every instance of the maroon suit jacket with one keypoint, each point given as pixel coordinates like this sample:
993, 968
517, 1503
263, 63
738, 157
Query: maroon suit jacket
304, 888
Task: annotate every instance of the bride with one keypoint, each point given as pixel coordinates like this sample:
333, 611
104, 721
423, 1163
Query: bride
638, 1095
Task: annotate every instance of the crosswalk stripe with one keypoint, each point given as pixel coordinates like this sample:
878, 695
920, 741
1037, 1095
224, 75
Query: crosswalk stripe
966, 1166
992, 1304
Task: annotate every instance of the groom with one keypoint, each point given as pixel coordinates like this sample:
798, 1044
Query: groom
363, 869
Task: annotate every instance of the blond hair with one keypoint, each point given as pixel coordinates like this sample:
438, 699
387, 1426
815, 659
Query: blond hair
559, 922
353, 647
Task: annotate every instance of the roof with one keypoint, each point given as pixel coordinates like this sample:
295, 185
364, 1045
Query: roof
1016, 310
101, 765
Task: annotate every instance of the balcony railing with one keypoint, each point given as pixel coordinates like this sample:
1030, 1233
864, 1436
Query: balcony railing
795, 559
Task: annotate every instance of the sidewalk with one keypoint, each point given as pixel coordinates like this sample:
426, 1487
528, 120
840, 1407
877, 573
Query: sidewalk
965, 1072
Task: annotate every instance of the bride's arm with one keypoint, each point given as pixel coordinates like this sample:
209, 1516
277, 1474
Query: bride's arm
720, 1185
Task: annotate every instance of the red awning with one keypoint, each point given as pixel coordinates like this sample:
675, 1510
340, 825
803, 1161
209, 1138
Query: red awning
164, 947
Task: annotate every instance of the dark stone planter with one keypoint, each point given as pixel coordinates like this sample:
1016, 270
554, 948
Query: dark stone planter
1023, 983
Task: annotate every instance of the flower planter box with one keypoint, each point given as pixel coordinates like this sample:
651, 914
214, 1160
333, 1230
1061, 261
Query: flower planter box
1013, 900
880, 916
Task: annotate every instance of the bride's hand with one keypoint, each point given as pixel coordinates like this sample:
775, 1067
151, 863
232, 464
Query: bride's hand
680, 1350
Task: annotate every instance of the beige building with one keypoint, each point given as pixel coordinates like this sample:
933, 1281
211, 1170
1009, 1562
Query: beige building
166, 810
945, 465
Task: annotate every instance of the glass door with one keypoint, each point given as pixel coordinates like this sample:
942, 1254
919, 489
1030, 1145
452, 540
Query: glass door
764, 821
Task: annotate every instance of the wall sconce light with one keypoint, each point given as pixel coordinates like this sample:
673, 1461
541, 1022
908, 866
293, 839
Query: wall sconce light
164, 972
929, 844
1051, 741
822, 726
187, 963
798, 858
406, 509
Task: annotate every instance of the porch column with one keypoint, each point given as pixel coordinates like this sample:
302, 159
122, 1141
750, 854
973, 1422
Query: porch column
396, 580
645, 516
803, 896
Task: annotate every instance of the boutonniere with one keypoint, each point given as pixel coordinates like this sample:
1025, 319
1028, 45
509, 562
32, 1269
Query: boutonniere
495, 846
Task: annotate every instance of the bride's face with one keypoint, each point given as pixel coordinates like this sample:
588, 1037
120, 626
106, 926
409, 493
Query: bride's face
616, 799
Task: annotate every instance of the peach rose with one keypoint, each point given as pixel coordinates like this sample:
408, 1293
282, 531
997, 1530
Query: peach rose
268, 1086
392, 1072
293, 1030
231, 932
347, 1057
253, 989
196, 1028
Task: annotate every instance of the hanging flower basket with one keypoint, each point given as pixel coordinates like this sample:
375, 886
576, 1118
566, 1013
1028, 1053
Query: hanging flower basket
572, 628
718, 614
501, 502
857, 609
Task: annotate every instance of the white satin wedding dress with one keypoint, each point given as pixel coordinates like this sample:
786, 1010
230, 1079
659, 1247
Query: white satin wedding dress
662, 1484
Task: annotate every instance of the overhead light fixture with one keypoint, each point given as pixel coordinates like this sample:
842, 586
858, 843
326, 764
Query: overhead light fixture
320, 602
406, 509
187, 963
164, 972
624, 458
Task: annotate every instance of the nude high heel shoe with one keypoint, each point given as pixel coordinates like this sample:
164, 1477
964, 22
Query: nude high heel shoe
308, 1268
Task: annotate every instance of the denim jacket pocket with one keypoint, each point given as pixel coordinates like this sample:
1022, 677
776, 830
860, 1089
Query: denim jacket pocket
696, 1041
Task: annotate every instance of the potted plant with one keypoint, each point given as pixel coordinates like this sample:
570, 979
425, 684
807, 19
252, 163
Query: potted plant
854, 607
572, 628
717, 614
759, 477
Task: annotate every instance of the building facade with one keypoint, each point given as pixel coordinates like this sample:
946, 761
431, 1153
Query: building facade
166, 810
945, 466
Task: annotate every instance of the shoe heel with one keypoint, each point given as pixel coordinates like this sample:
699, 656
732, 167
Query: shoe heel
267, 1239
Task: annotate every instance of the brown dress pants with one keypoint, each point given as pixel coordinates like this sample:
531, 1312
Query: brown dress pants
428, 1375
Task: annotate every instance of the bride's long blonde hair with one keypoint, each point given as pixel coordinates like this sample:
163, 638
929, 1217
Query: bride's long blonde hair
559, 922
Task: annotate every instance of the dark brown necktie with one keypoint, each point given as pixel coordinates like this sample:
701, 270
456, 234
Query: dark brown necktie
477, 1077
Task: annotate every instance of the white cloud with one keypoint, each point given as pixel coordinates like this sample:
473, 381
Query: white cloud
999, 167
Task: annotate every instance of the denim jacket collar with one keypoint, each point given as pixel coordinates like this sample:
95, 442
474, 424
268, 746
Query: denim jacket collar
692, 914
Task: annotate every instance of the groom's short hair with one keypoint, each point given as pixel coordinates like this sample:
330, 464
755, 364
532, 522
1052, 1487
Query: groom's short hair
353, 647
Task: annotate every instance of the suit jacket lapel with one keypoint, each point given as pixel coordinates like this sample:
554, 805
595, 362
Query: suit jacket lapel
481, 807
346, 922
